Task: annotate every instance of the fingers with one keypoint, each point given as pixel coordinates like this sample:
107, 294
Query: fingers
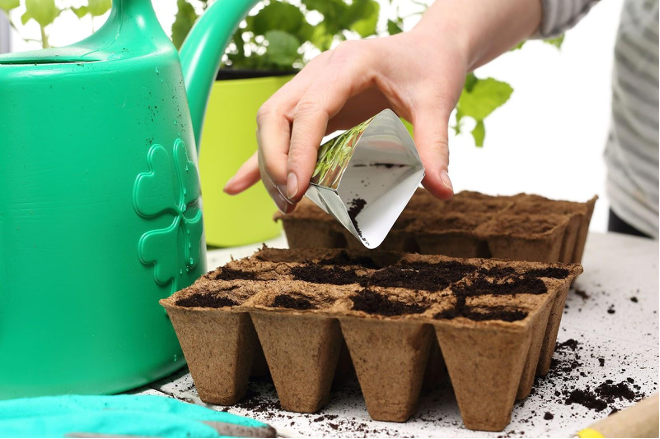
273, 136
358, 109
345, 75
430, 129
246, 176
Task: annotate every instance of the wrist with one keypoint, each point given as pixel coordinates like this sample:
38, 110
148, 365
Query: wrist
480, 30
448, 37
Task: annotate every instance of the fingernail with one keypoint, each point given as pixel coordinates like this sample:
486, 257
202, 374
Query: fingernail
445, 180
284, 205
231, 180
291, 186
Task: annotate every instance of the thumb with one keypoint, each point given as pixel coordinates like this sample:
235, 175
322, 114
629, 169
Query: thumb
430, 130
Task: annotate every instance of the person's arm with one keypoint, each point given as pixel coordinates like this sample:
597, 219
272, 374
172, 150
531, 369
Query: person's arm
419, 74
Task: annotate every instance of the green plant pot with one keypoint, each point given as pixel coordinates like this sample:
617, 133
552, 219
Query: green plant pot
228, 140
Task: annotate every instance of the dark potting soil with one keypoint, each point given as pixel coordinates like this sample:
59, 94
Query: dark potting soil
356, 207
373, 303
419, 275
343, 259
497, 313
502, 272
552, 272
325, 275
226, 273
292, 302
512, 286
611, 309
206, 300
497, 271
634, 299
548, 416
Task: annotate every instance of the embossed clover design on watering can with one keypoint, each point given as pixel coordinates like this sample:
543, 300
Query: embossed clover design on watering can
100, 208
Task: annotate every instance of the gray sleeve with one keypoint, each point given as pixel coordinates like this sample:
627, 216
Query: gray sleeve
561, 15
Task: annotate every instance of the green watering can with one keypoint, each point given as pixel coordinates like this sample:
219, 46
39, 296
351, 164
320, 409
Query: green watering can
100, 208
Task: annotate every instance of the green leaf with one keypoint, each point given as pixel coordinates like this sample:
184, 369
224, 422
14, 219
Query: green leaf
518, 46
479, 133
282, 48
43, 12
184, 21
470, 81
486, 95
557, 42
368, 11
305, 32
321, 38
99, 7
278, 16
394, 27
25, 17
8, 5
329, 8
81, 11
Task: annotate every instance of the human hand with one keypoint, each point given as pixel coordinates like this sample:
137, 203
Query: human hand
342, 87
419, 74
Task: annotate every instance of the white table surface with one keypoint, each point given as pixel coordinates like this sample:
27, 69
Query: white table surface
616, 269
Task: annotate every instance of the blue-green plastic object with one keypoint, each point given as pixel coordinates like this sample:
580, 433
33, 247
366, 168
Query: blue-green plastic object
121, 415
100, 208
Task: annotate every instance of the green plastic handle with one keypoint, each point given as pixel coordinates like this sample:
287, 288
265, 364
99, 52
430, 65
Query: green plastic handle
201, 54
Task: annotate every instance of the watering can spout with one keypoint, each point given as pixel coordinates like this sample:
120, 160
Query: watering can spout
202, 52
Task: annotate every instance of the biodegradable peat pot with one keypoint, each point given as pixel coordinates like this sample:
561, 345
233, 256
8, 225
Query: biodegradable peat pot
228, 140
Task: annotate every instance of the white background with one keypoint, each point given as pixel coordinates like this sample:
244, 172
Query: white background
548, 139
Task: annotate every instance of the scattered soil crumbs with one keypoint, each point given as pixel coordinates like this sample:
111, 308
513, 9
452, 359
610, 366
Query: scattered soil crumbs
292, 302
634, 299
548, 416
206, 300
582, 294
570, 343
586, 398
572, 363
373, 303
611, 310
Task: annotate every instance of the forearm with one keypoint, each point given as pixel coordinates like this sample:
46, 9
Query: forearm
484, 29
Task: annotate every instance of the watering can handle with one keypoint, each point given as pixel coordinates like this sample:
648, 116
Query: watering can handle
201, 53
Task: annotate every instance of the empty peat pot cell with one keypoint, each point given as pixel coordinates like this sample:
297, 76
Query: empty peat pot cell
526, 237
452, 234
492, 323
